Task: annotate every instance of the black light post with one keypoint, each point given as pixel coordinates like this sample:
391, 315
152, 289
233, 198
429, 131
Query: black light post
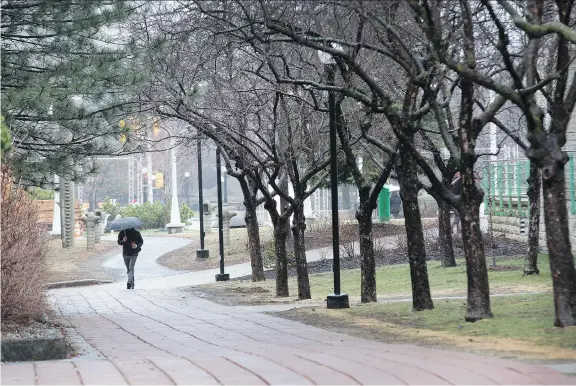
201, 253
221, 276
337, 299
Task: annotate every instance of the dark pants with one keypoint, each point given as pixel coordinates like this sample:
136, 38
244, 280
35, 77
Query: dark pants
130, 262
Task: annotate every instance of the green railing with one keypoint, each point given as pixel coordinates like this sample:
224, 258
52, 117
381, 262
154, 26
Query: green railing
505, 187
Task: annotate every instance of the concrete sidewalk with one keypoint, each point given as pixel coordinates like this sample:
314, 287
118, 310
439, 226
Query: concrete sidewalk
169, 337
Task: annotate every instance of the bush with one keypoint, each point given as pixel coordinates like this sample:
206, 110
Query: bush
111, 208
185, 213
41, 194
23, 249
152, 215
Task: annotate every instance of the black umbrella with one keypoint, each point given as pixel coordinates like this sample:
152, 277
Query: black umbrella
125, 223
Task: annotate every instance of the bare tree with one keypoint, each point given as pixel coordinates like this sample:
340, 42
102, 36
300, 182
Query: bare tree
545, 145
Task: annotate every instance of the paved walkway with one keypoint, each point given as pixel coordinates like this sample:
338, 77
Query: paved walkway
169, 337
151, 275
158, 334
146, 265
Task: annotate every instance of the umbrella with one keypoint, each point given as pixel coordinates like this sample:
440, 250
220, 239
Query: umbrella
125, 223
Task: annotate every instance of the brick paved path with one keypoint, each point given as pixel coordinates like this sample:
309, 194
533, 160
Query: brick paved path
156, 337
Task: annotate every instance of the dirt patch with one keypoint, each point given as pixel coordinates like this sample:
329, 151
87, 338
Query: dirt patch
78, 263
319, 234
499, 268
184, 259
390, 331
240, 293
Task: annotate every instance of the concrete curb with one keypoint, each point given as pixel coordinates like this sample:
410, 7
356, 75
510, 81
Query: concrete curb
51, 345
77, 283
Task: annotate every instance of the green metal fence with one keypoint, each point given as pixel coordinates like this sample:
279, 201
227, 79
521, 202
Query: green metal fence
505, 187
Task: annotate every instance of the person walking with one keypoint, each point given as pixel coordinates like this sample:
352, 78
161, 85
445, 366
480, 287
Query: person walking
131, 241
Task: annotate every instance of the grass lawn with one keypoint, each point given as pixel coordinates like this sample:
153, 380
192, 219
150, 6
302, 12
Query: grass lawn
522, 325
392, 282
77, 262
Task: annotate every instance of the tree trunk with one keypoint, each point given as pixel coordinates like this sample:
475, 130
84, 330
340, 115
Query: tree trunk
445, 234
280, 236
368, 264
558, 241
249, 193
421, 297
284, 186
254, 241
534, 185
298, 229
478, 299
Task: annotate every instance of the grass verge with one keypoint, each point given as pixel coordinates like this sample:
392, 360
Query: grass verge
76, 263
522, 326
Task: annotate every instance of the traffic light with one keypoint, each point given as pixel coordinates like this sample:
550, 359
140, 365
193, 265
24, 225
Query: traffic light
159, 180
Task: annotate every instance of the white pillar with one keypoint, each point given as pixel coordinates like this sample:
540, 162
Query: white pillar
276, 197
56, 220
149, 182
139, 182
175, 225
494, 158
308, 207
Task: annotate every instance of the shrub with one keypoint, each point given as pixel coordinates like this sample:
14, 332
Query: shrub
185, 212
41, 194
152, 215
23, 249
111, 208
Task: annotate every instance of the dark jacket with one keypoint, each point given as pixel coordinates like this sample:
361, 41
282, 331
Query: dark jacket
457, 187
132, 235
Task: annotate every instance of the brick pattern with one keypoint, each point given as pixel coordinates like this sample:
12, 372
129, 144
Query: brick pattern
170, 337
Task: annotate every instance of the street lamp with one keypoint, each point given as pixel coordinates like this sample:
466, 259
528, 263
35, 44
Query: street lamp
175, 225
337, 299
201, 253
221, 276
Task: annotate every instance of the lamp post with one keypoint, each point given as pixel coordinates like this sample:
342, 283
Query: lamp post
175, 225
337, 299
221, 276
200, 253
